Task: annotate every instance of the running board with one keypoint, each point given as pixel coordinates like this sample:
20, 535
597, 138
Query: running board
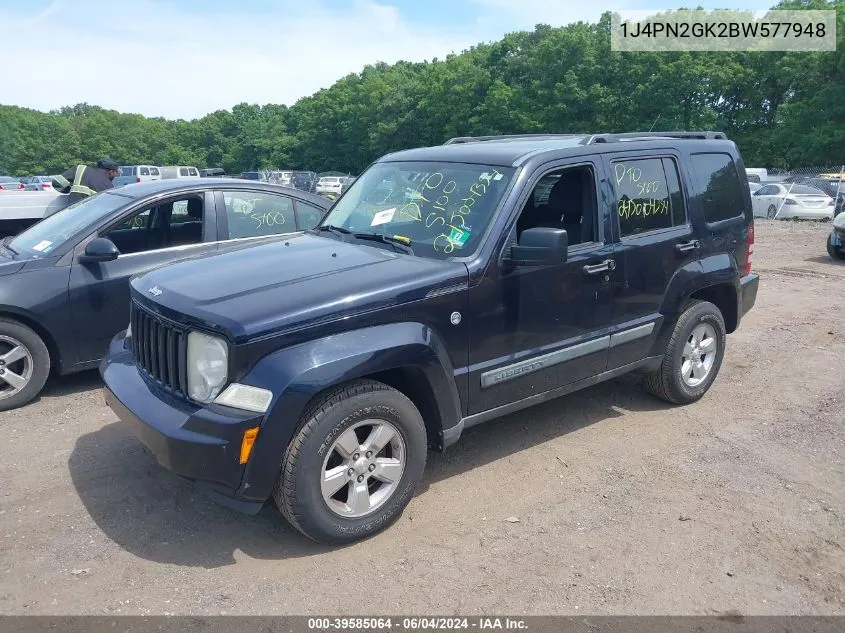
451, 436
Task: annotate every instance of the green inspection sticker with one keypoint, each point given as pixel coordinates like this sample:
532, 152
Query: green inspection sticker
458, 237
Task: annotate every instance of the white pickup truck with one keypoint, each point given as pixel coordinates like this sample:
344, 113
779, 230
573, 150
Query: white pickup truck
21, 209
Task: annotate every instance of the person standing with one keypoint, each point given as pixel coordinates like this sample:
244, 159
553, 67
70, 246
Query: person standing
85, 180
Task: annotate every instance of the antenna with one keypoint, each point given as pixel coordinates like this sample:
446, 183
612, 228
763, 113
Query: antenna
655, 123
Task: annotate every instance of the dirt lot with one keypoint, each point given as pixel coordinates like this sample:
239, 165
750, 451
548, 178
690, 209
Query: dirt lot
736, 503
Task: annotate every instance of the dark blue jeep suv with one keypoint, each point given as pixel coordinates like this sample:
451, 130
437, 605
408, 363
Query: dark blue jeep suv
447, 286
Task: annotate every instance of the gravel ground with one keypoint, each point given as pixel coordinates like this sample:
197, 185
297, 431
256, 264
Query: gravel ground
624, 505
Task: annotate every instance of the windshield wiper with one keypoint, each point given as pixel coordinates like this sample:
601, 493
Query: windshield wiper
405, 242
332, 227
5, 244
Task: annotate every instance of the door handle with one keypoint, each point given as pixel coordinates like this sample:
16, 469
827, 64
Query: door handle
686, 247
605, 266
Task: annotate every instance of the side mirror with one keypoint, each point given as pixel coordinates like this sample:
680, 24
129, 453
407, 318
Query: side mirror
100, 249
540, 246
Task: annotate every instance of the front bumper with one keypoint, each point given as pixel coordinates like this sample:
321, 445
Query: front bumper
201, 444
748, 291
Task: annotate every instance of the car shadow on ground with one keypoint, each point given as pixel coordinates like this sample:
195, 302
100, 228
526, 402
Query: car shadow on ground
60, 386
154, 515
826, 259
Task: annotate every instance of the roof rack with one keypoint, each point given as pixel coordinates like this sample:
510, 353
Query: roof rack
507, 137
614, 138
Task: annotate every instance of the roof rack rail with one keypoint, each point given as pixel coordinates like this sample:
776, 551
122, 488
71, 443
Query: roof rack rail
506, 137
613, 138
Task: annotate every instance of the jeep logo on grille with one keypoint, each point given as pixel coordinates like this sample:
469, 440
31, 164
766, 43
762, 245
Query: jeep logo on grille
155, 291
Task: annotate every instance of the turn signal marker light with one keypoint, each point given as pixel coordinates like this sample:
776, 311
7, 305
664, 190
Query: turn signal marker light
247, 444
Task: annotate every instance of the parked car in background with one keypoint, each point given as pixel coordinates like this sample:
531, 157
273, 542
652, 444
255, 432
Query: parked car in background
754, 186
836, 238
179, 171
253, 175
39, 183
8, 183
137, 173
330, 186
832, 186
212, 172
792, 201
65, 289
304, 181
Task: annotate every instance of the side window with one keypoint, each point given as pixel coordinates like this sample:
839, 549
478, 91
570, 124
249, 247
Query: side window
564, 199
132, 235
186, 222
183, 171
648, 195
193, 172
717, 186
308, 216
154, 171
254, 214
145, 171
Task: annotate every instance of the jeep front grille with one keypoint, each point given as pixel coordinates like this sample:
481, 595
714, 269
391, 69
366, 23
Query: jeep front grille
160, 349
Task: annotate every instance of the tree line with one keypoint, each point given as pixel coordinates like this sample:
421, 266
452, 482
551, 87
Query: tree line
784, 109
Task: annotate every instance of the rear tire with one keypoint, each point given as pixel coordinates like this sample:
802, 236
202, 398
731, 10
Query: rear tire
693, 356
833, 251
24, 364
772, 212
335, 490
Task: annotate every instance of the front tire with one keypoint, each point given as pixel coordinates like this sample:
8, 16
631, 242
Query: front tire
693, 356
354, 463
833, 251
24, 364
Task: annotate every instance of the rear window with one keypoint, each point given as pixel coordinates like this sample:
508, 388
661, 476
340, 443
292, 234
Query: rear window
807, 191
183, 171
127, 171
717, 187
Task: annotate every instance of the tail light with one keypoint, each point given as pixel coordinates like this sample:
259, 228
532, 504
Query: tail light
790, 201
749, 242
2, 187
138, 179
21, 187
46, 185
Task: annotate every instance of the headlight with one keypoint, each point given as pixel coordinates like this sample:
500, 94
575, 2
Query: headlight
208, 363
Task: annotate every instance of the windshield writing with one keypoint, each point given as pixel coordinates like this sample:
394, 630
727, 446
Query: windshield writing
442, 208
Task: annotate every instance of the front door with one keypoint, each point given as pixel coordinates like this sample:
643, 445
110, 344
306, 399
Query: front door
155, 235
537, 328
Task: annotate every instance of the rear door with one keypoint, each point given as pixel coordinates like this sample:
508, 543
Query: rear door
655, 239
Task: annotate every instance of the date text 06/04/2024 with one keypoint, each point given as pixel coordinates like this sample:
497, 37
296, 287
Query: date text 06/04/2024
415, 624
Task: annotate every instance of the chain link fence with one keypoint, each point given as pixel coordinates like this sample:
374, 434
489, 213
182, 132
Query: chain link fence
813, 193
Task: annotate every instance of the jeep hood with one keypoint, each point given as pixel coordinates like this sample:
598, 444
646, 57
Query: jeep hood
291, 283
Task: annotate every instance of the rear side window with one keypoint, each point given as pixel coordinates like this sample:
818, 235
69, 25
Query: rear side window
154, 171
145, 171
193, 172
648, 195
309, 216
183, 171
717, 187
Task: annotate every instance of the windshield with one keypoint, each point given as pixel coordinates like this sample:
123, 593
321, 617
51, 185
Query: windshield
44, 237
443, 208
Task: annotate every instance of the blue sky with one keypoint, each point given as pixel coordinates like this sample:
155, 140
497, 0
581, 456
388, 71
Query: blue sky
183, 59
